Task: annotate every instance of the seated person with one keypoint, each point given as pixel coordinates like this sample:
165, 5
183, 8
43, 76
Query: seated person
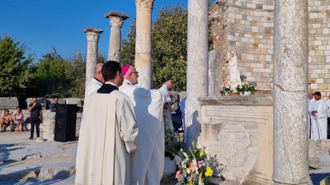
19, 119
7, 120
53, 105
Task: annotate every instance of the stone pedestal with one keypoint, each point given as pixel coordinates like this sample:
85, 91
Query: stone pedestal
143, 61
239, 131
48, 126
93, 35
116, 22
197, 62
290, 92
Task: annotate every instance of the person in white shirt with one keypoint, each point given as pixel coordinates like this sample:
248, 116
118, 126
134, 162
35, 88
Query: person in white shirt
95, 82
319, 118
148, 107
310, 101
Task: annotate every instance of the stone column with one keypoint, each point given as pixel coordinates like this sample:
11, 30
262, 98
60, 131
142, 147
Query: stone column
93, 35
290, 92
143, 62
116, 22
197, 64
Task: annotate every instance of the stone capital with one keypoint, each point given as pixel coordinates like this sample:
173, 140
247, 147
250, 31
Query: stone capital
116, 18
93, 34
144, 4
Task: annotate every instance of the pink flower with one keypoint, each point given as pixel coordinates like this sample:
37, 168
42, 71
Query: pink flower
177, 176
190, 178
200, 164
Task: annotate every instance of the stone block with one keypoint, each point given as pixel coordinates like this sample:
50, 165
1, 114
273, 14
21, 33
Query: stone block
214, 72
8, 103
242, 143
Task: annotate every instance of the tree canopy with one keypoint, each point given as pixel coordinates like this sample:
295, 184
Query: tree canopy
16, 71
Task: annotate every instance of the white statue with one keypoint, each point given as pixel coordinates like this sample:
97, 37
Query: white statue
233, 72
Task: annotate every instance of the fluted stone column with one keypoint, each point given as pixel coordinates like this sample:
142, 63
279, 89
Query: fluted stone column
197, 64
93, 35
290, 92
143, 61
116, 22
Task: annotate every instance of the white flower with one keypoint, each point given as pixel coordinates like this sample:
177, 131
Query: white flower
188, 171
195, 164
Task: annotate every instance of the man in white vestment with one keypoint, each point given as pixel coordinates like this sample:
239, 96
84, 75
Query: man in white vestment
319, 118
310, 101
108, 141
95, 82
328, 103
148, 106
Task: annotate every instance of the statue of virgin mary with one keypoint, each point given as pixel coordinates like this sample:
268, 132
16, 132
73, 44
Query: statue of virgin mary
233, 71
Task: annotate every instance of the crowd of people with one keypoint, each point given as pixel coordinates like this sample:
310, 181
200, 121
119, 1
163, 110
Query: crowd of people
318, 116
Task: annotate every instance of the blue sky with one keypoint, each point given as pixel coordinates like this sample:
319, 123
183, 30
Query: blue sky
41, 24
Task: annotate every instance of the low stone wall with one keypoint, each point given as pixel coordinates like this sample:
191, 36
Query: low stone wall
8, 103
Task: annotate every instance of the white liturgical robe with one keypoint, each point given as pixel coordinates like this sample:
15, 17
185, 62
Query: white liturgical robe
310, 102
319, 120
92, 86
148, 106
108, 141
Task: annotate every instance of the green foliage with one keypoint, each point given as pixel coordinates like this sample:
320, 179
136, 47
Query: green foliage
169, 46
51, 77
128, 49
77, 74
16, 71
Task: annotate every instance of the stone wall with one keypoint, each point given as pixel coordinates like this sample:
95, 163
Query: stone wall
246, 27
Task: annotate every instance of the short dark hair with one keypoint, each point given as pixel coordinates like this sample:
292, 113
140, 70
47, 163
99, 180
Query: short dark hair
109, 70
34, 97
317, 93
55, 96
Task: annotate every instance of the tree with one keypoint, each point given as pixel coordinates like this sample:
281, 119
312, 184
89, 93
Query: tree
51, 77
16, 70
169, 46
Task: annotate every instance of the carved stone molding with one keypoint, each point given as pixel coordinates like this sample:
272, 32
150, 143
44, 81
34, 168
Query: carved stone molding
116, 18
116, 21
144, 4
93, 34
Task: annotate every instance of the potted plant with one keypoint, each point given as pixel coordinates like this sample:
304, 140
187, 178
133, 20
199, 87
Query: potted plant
195, 167
245, 89
172, 149
225, 90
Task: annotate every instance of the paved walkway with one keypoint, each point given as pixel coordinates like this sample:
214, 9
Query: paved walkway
24, 161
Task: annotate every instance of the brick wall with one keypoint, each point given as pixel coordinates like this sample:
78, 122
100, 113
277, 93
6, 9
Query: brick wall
246, 27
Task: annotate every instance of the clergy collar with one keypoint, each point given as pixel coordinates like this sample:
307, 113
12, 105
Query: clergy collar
98, 80
127, 82
111, 84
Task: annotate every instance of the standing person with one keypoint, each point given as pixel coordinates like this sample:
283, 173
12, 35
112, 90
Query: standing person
319, 118
19, 119
54, 104
148, 106
95, 82
36, 114
6, 119
107, 142
328, 103
310, 102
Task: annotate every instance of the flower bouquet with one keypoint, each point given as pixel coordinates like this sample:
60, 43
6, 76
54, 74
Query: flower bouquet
195, 167
225, 90
246, 88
